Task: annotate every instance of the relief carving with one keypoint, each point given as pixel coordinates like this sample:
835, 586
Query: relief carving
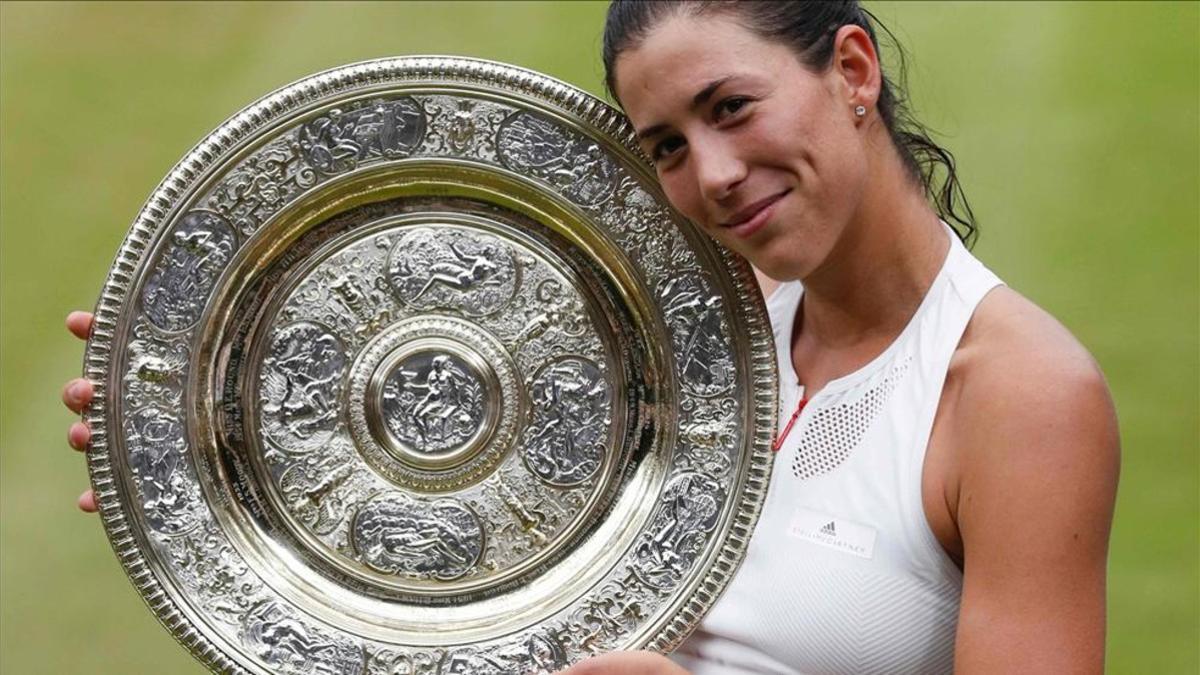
340, 140
573, 164
690, 507
171, 499
285, 643
301, 386
566, 438
396, 534
197, 251
696, 319
431, 268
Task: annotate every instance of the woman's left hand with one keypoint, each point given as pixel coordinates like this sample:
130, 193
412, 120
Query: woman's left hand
626, 663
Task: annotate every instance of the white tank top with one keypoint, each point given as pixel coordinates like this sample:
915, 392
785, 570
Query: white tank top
843, 574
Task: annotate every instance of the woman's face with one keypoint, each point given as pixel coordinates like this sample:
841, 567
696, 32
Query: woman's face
763, 154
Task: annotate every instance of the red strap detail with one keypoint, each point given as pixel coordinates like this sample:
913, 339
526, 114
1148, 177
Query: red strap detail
788, 429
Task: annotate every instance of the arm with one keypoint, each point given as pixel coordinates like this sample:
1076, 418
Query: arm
1038, 456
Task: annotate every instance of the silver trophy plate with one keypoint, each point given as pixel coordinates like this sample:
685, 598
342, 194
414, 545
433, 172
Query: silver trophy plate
409, 368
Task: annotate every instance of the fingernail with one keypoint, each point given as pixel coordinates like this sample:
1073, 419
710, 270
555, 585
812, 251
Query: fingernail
78, 391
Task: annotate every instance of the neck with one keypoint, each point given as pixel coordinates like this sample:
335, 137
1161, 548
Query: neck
880, 269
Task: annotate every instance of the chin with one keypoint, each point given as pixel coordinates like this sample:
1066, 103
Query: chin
776, 264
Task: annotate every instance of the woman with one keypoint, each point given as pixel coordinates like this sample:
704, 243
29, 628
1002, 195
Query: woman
948, 453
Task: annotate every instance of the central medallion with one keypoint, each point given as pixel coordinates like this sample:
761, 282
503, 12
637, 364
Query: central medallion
433, 403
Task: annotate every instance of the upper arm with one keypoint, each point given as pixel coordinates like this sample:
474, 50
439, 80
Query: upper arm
1037, 483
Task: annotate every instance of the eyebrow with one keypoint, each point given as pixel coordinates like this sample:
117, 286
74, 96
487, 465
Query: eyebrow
698, 100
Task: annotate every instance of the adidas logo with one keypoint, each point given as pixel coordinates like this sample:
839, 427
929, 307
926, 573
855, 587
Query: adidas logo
829, 529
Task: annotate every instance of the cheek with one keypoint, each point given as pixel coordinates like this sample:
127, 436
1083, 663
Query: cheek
683, 196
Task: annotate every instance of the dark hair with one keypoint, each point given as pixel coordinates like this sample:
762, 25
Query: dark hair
809, 27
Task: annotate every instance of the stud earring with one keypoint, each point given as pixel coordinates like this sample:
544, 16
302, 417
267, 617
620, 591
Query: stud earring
860, 110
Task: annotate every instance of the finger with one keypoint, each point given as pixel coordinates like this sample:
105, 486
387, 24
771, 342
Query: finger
87, 502
78, 436
77, 393
80, 324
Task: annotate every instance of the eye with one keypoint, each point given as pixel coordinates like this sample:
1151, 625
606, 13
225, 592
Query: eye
729, 107
666, 147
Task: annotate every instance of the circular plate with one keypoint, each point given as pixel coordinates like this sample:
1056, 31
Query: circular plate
408, 368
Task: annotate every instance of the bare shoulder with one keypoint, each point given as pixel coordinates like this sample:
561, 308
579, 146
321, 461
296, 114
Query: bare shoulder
1020, 371
1030, 401
1036, 451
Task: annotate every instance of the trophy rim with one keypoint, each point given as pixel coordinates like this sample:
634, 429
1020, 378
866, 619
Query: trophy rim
217, 148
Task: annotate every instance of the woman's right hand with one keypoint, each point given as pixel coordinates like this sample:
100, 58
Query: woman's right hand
76, 395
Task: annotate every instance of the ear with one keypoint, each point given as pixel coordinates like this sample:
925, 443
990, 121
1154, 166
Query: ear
857, 64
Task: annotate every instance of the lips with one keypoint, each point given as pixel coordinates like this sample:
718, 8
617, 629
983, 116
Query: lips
749, 219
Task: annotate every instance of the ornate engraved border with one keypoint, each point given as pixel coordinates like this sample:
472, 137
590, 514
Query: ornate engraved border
187, 176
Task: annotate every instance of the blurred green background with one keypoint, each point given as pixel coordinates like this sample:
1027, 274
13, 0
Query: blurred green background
1076, 127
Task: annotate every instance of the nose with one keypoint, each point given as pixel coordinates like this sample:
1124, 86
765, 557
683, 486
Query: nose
717, 168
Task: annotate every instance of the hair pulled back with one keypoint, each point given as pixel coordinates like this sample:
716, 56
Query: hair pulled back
809, 28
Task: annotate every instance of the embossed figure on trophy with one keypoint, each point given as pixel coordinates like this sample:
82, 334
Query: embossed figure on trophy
339, 140
287, 643
539, 655
417, 542
543, 655
697, 315
440, 403
587, 166
463, 274
462, 126
711, 442
689, 510
154, 437
347, 293
315, 494
156, 454
304, 404
200, 246
415, 539
203, 245
379, 130
399, 535
571, 162
470, 272
330, 144
570, 401
470, 662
